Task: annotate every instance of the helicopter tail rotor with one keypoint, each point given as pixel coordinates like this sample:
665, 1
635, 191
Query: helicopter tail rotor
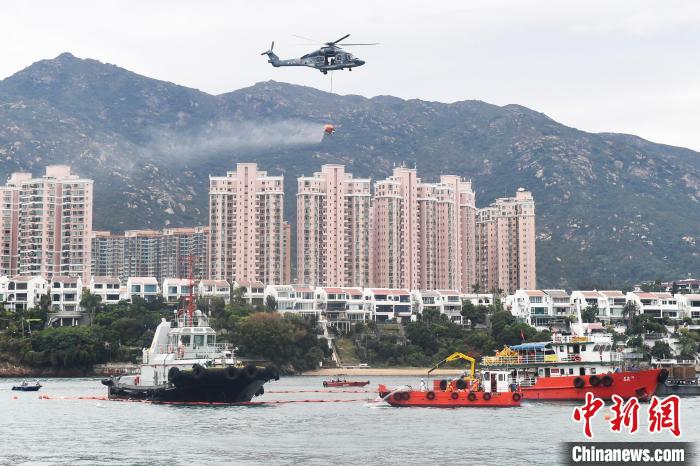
272, 46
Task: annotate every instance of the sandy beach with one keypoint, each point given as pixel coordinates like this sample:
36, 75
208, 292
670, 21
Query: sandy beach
382, 371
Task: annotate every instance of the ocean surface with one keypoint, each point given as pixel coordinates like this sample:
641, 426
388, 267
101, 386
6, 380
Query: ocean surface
67, 430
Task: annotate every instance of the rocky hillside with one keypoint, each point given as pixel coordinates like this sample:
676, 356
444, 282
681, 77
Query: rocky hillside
611, 208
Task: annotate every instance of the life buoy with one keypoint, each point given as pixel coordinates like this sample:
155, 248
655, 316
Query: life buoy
471, 396
430, 395
606, 381
454, 395
663, 375
516, 396
487, 396
579, 382
594, 380
576, 357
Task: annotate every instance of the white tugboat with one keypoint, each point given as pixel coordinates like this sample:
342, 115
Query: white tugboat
185, 364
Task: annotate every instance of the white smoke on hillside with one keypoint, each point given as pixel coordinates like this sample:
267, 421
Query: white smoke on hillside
228, 136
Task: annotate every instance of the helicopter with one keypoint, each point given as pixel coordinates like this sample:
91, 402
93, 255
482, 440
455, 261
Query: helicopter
328, 58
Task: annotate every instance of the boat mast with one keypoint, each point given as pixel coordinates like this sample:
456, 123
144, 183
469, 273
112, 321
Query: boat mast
190, 303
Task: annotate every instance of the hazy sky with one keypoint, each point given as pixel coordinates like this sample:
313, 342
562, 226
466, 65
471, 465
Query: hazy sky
623, 66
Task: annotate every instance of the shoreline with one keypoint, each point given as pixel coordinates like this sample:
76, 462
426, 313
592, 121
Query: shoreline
381, 371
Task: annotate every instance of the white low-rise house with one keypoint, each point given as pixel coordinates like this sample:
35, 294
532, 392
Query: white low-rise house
254, 291
214, 289
4, 281
174, 289
689, 305
66, 293
298, 299
109, 289
342, 306
655, 304
451, 302
561, 303
23, 292
479, 299
616, 305
65, 301
686, 286
532, 306
581, 299
388, 304
143, 287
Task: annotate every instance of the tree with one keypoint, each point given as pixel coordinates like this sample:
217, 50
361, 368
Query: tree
476, 288
688, 345
270, 303
661, 350
629, 311
89, 303
475, 314
590, 313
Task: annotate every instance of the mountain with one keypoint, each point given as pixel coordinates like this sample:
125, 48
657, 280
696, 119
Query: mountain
611, 208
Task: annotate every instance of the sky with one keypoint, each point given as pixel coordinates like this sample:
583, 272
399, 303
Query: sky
600, 66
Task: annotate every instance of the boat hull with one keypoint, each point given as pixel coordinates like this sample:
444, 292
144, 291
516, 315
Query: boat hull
34, 388
641, 385
211, 386
454, 399
345, 384
673, 387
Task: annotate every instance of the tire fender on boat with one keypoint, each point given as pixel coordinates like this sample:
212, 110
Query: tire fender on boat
579, 382
231, 373
430, 395
606, 381
487, 396
250, 371
454, 395
516, 396
173, 374
594, 380
471, 397
663, 375
198, 371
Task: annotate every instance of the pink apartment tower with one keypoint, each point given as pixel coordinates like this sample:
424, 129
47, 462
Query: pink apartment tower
505, 236
47, 224
247, 234
423, 233
333, 224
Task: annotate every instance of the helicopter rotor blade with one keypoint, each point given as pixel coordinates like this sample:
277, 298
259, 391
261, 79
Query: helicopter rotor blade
352, 45
338, 40
306, 38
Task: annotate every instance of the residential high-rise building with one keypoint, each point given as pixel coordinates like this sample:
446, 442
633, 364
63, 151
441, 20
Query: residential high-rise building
9, 224
333, 220
505, 237
151, 253
287, 237
395, 231
246, 225
47, 224
423, 232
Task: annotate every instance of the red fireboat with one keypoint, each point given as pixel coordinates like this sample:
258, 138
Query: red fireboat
463, 391
569, 366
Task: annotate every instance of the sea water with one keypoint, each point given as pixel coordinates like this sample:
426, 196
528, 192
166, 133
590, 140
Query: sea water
66, 430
